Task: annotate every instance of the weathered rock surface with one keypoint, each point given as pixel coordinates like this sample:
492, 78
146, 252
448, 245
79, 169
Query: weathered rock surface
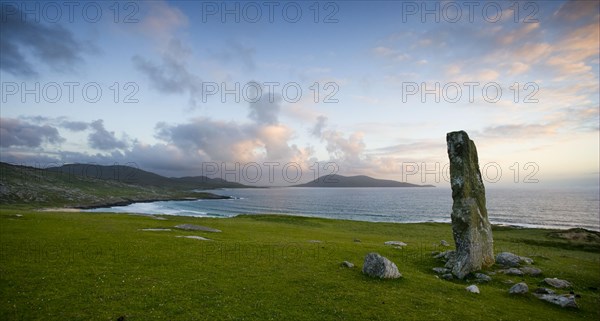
557, 283
470, 224
378, 266
473, 288
519, 288
446, 255
192, 227
563, 300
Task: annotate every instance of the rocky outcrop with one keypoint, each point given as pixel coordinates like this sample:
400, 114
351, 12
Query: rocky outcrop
470, 225
378, 266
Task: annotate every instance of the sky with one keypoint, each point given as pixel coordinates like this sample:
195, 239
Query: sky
280, 93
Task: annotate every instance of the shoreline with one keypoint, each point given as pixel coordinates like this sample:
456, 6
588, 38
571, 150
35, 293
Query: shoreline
150, 200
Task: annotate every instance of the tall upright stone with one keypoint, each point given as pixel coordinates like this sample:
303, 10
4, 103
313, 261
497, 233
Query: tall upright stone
470, 225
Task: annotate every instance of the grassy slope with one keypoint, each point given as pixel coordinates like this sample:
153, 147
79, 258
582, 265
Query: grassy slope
81, 266
26, 185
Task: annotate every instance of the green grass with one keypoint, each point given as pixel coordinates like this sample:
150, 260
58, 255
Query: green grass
92, 266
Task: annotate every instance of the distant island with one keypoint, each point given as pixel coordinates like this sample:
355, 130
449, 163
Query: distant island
356, 181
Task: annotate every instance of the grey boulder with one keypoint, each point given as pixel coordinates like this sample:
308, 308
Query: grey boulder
378, 266
519, 288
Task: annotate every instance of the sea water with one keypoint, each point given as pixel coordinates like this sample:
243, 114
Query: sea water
540, 208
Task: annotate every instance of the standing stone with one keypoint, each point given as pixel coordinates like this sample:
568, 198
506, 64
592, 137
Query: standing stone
470, 225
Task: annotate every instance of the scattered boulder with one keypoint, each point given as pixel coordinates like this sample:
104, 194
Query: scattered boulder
444, 243
378, 266
470, 224
519, 288
543, 291
557, 283
347, 264
440, 270
512, 271
472, 288
195, 237
562, 300
531, 271
512, 260
508, 259
155, 229
447, 276
396, 244
192, 227
480, 277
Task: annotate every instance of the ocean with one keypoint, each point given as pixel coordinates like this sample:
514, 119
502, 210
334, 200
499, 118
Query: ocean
526, 207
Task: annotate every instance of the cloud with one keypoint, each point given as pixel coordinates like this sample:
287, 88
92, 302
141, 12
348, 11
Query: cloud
161, 20
75, 126
52, 45
389, 53
577, 10
102, 139
14, 132
171, 75
317, 130
522, 131
265, 111
235, 51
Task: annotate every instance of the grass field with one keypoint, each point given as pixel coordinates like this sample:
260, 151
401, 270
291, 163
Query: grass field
91, 266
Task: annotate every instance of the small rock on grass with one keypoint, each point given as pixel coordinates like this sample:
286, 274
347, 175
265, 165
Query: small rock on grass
480, 277
543, 291
440, 270
519, 288
531, 271
378, 266
192, 227
444, 243
557, 283
473, 288
195, 237
562, 300
395, 243
511, 260
347, 264
448, 276
512, 271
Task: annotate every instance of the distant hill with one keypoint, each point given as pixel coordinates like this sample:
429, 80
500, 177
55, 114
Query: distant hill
135, 176
356, 181
23, 185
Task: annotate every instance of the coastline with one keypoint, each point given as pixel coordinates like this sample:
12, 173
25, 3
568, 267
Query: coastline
149, 200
